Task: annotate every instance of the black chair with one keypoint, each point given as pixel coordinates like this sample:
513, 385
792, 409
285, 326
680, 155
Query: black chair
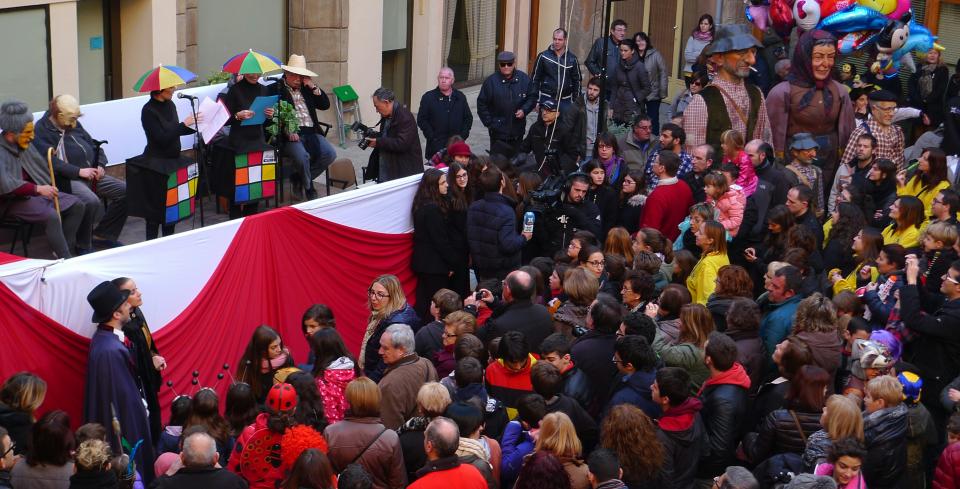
22, 231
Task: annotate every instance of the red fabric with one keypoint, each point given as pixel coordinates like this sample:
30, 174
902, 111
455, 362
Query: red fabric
666, 207
680, 418
279, 263
8, 258
737, 375
38, 344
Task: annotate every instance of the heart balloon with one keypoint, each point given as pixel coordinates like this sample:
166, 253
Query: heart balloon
781, 16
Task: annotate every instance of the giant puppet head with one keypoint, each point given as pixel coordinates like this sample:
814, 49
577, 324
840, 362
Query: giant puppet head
15, 118
67, 110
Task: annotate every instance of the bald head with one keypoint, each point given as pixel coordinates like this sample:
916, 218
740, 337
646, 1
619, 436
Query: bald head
752, 149
199, 450
519, 287
441, 438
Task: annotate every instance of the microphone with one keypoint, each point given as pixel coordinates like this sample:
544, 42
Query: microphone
187, 96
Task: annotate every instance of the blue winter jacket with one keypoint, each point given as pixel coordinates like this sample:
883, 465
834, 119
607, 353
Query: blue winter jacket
492, 233
635, 390
778, 322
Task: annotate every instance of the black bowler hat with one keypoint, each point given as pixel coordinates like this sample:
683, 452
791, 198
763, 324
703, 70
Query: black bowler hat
105, 299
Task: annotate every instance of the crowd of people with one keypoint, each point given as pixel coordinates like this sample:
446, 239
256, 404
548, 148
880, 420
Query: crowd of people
763, 292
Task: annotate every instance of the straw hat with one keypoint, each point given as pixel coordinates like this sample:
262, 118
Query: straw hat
297, 64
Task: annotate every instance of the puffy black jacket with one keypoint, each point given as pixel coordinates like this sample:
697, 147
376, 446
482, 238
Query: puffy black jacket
681, 432
555, 225
724, 412
577, 386
498, 102
631, 87
592, 353
440, 117
605, 198
562, 138
779, 434
885, 432
595, 57
492, 234
936, 347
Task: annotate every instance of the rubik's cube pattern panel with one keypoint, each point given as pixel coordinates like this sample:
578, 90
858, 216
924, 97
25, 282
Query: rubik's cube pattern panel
181, 190
255, 176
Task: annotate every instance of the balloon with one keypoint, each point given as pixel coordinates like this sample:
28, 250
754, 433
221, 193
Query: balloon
856, 18
830, 7
892, 38
854, 41
920, 40
806, 13
892, 9
781, 16
759, 15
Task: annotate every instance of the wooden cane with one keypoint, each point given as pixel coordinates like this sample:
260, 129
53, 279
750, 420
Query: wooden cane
53, 182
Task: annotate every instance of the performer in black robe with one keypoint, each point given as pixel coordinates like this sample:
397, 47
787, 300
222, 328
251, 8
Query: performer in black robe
113, 388
145, 354
244, 139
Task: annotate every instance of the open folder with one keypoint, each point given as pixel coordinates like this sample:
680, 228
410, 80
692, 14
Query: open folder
213, 115
257, 107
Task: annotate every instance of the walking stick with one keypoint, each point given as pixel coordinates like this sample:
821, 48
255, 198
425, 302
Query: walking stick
53, 182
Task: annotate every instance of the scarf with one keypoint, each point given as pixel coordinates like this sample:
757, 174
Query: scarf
469, 446
801, 70
268, 365
702, 36
925, 83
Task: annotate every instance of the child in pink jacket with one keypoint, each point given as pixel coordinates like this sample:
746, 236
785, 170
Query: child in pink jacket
732, 143
728, 200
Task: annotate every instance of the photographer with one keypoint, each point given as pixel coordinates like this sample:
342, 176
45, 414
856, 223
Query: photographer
568, 213
553, 133
516, 312
397, 149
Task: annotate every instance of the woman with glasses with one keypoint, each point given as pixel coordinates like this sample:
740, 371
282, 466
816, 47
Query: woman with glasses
458, 182
811, 101
682, 100
455, 325
712, 239
388, 305
440, 250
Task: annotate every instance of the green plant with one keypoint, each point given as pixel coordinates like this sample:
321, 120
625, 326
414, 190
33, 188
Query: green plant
217, 76
285, 118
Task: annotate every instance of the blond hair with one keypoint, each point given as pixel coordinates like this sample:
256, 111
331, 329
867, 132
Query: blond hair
844, 419
463, 322
558, 436
433, 399
580, 286
886, 388
395, 302
364, 397
943, 232
733, 138
93, 455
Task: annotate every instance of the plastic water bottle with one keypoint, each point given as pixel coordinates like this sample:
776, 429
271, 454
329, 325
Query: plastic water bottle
528, 219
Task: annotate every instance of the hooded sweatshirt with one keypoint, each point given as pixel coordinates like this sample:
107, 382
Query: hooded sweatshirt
681, 432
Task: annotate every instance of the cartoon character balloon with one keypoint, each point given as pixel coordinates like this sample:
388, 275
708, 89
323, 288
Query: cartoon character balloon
893, 9
806, 13
891, 39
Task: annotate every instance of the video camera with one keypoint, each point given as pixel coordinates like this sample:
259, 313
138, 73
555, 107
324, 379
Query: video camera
549, 193
364, 132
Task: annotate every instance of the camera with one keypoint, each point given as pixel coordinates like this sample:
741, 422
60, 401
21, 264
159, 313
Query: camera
364, 132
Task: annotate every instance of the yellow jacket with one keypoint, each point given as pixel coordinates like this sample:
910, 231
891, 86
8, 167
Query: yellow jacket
703, 279
908, 238
915, 188
850, 281
827, 227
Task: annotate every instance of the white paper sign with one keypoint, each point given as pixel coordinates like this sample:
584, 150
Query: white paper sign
213, 115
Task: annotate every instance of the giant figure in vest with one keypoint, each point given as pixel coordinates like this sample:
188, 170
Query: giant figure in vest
729, 101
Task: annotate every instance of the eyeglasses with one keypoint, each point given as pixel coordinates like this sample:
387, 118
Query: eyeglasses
938, 201
948, 278
462, 176
597, 263
615, 361
379, 295
645, 128
502, 65
889, 108
13, 446
448, 335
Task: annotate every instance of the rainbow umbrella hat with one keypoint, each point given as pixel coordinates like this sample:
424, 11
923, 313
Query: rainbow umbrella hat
163, 77
251, 62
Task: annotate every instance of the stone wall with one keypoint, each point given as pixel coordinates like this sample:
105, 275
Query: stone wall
187, 19
317, 29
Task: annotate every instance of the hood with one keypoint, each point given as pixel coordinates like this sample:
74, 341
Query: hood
10, 418
342, 363
405, 315
640, 382
886, 424
682, 417
719, 304
826, 348
737, 375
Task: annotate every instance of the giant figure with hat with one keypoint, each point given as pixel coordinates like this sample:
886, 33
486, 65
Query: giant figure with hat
113, 395
729, 102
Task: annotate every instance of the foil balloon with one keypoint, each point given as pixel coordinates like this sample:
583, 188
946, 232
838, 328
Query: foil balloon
806, 13
781, 16
920, 40
758, 15
892, 9
856, 18
830, 7
892, 37
854, 41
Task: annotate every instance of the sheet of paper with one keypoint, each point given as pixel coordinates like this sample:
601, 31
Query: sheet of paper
258, 106
213, 115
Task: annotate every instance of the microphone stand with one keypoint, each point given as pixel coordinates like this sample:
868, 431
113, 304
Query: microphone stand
199, 149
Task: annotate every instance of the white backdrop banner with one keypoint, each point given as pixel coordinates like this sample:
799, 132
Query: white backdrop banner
118, 121
171, 271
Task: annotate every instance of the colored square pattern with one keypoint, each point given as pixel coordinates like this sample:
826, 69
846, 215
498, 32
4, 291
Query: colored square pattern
255, 176
181, 190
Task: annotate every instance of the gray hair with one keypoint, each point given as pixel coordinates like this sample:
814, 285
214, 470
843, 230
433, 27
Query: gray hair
385, 94
709, 151
401, 336
199, 450
14, 116
444, 435
739, 478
